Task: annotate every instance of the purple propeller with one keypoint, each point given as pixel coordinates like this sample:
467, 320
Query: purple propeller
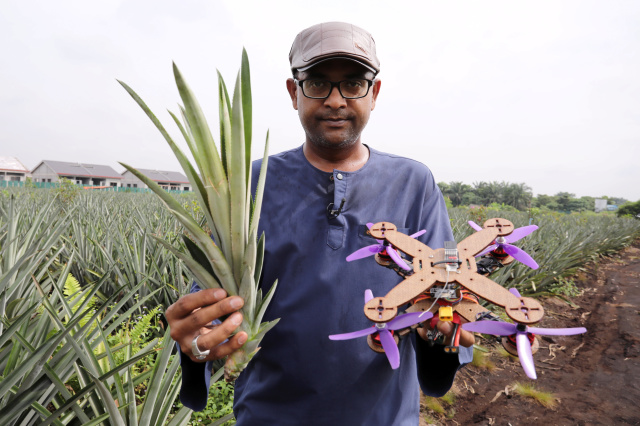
379, 248
522, 332
383, 330
505, 244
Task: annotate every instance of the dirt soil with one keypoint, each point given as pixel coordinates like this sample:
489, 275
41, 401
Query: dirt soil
595, 377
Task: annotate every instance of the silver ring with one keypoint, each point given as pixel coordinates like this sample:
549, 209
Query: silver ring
197, 352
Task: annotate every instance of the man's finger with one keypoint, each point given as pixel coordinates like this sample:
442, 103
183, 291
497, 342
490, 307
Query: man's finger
227, 348
187, 304
445, 327
467, 338
213, 341
204, 316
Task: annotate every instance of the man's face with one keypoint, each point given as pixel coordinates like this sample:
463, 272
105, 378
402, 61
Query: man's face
334, 122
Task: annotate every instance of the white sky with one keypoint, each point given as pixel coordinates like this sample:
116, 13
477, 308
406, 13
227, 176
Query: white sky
541, 92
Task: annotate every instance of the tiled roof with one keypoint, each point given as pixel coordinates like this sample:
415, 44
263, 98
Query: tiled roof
163, 176
81, 169
12, 164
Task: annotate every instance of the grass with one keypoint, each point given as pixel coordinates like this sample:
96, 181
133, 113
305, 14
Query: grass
442, 406
482, 361
528, 390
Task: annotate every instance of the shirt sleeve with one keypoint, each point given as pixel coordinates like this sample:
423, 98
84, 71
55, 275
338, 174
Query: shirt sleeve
196, 377
437, 369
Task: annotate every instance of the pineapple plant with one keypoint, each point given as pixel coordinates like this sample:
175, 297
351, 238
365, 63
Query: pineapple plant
225, 250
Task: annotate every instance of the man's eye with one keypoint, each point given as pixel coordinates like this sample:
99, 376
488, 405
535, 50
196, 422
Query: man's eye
316, 83
354, 83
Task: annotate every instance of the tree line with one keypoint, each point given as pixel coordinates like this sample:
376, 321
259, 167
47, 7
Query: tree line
517, 195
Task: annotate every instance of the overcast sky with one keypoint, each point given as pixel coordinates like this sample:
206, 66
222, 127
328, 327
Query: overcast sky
541, 92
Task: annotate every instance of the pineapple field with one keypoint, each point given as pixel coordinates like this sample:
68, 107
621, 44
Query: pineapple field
86, 276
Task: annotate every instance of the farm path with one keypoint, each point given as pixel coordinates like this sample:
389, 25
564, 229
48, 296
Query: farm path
595, 376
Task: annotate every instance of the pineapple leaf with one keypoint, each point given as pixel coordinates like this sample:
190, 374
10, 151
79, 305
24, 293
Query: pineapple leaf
219, 264
213, 175
198, 255
237, 181
205, 279
259, 260
260, 189
245, 79
224, 109
184, 162
262, 307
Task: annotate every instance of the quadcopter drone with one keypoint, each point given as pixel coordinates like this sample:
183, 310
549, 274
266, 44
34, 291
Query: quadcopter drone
446, 284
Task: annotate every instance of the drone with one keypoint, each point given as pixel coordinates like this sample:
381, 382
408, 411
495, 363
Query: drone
446, 285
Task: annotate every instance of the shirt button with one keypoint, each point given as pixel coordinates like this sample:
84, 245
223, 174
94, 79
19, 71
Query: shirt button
339, 176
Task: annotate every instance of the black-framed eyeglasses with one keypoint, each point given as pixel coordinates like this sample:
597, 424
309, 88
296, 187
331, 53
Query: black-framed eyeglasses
353, 88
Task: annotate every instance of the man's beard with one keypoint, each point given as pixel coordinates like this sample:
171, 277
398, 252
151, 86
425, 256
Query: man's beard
318, 139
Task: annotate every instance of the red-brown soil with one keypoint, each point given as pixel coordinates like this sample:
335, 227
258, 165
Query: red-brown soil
595, 377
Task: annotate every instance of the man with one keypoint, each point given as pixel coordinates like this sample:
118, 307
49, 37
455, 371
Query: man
300, 376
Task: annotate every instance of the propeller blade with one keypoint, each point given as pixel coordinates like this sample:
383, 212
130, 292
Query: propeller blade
475, 225
407, 320
354, 334
365, 252
515, 292
368, 295
417, 234
492, 247
497, 328
520, 255
396, 258
519, 233
525, 355
390, 348
557, 331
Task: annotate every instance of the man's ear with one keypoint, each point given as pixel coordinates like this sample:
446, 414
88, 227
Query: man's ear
375, 90
292, 88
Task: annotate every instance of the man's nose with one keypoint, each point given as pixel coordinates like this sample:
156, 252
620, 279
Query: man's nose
335, 99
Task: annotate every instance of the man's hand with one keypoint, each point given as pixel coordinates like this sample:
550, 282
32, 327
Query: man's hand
192, 315
467, 338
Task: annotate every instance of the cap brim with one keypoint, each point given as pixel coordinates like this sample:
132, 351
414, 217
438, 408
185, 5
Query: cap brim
369, 67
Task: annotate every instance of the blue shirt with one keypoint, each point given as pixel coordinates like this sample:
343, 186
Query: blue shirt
300, 376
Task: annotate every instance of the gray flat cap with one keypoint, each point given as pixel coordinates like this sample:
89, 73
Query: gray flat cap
333, 40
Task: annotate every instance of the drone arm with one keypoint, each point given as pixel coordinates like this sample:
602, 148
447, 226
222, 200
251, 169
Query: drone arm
487, 289
523, 310
469, 310
476, 242
403, 242
384, 309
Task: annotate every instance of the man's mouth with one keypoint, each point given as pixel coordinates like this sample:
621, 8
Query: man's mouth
335, 121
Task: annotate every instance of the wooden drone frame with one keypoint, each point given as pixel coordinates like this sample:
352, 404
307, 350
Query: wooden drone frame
429, 270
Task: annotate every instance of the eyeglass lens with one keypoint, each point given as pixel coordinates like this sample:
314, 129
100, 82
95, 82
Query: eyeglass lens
353, 88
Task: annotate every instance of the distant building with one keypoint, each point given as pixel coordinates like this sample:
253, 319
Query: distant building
171, 181
11, 169
601, 205
79, 173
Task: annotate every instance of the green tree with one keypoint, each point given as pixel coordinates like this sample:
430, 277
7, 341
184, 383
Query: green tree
543, 200
517, 195
564, 199
456, 192
489, 192
632, 209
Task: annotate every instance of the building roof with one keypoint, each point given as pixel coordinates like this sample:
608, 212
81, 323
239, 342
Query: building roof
81, 169
163, 176
12, 164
